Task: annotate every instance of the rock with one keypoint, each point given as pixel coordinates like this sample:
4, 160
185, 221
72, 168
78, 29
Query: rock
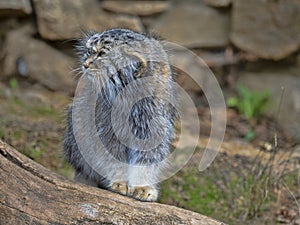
218, 3
35, 59
7, 24
185, 69
269, 29
188, 84
140, 8
15, 7
218, 59
194, 25
67, 19
273, 80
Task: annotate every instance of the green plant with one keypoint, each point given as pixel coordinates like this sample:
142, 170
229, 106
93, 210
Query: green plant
13, 83
249, 103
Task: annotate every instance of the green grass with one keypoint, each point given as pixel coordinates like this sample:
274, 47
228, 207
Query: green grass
203, 196
195, 192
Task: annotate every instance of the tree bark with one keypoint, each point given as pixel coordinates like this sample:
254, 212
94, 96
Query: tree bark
32, 194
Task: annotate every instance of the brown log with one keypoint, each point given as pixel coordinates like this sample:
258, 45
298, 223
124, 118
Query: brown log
32, 194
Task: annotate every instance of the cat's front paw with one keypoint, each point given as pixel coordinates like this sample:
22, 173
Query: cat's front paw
146, 193
120, 187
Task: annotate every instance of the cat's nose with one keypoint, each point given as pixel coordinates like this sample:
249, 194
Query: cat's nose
89, 63
86, 64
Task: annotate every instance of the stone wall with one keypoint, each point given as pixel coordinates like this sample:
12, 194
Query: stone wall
254, 41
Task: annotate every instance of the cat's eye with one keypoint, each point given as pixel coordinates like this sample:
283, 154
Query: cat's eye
100, 54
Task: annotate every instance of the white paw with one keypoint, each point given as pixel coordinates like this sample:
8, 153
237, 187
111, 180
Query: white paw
120, 187
145, 193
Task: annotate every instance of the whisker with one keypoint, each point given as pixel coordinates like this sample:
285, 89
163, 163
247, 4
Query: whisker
75, 73
76, 70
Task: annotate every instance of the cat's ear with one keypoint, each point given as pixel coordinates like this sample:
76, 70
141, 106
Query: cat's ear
139, 64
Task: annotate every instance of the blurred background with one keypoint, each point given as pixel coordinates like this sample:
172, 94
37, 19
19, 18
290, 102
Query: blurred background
251, 46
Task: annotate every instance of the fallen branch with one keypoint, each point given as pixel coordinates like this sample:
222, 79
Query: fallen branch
32, 194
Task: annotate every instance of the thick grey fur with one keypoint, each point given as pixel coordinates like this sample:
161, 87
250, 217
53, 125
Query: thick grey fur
118, 55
